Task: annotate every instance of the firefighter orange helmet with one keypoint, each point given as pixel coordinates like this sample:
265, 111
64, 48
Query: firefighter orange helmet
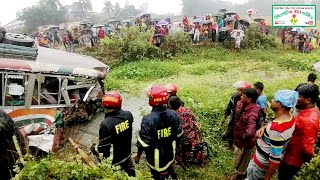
172, 89
112, 100
158, 96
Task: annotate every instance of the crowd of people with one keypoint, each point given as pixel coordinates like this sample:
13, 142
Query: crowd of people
208, 29
300, 40
285, 143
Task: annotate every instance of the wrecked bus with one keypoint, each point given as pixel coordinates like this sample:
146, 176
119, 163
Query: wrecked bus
42, 89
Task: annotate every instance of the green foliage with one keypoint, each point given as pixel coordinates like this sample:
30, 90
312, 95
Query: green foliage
132, 45
112, 11
146, 70
256, 40
176, 43
310, 171
46, 12
70, 168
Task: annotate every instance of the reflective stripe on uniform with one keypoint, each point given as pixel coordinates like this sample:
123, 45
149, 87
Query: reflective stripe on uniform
174, 146
116, 164
160, 169
142, 142
157, 161
104, 145
104, 139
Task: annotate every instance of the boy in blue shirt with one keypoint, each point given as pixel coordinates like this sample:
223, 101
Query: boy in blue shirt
261, 101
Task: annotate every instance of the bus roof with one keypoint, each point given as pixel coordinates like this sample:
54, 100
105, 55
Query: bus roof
54, 61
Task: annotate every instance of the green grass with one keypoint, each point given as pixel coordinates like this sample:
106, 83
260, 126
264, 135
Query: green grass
205, 77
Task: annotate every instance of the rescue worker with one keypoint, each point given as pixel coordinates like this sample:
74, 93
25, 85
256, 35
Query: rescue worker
7, 130
159, 135
115, 133
173, 90
191, 129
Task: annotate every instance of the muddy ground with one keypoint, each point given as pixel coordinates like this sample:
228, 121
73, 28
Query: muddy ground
88, 134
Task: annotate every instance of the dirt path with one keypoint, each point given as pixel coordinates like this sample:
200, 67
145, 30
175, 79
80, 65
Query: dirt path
88, 134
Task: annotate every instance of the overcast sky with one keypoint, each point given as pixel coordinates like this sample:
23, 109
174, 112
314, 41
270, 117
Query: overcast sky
11, 7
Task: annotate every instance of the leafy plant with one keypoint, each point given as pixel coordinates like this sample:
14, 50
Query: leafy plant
132, 45
70, 168
310, 170
256, 40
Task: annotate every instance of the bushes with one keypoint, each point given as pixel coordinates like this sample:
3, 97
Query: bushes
310, 171
132, 45
256, 40
253, 40
71, 168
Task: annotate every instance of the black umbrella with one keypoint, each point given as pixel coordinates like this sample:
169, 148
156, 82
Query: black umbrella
258, 20
244, 22
230, 13
223, 10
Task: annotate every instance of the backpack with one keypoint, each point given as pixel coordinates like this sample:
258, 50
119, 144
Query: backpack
199, 154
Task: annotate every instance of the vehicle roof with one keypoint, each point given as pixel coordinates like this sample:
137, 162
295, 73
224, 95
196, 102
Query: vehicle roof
57, 62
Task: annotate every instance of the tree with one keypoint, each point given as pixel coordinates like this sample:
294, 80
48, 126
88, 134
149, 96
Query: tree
51, 3
108, 8
46, 12
40, 15
144, 7
111, 11
128, 12
85, 5
117, 10
202, 7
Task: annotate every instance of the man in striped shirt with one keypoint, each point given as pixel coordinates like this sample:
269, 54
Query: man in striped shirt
274, 137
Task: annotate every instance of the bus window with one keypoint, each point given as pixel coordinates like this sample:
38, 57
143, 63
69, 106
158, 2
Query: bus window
14, 89
48, 91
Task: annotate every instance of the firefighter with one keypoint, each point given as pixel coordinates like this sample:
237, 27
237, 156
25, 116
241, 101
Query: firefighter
173, 90
115, 133
159, 135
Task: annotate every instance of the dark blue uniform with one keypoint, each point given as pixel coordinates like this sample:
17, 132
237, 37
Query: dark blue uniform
160, 131
116, 134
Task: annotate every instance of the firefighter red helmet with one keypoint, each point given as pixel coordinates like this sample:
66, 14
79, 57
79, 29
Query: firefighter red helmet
158, 96
112, 100
172, 89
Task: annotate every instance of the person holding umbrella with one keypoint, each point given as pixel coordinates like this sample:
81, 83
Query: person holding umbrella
250, 12
196, 37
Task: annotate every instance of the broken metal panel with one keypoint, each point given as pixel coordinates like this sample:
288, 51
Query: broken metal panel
29, 92
79, 86
64, 92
